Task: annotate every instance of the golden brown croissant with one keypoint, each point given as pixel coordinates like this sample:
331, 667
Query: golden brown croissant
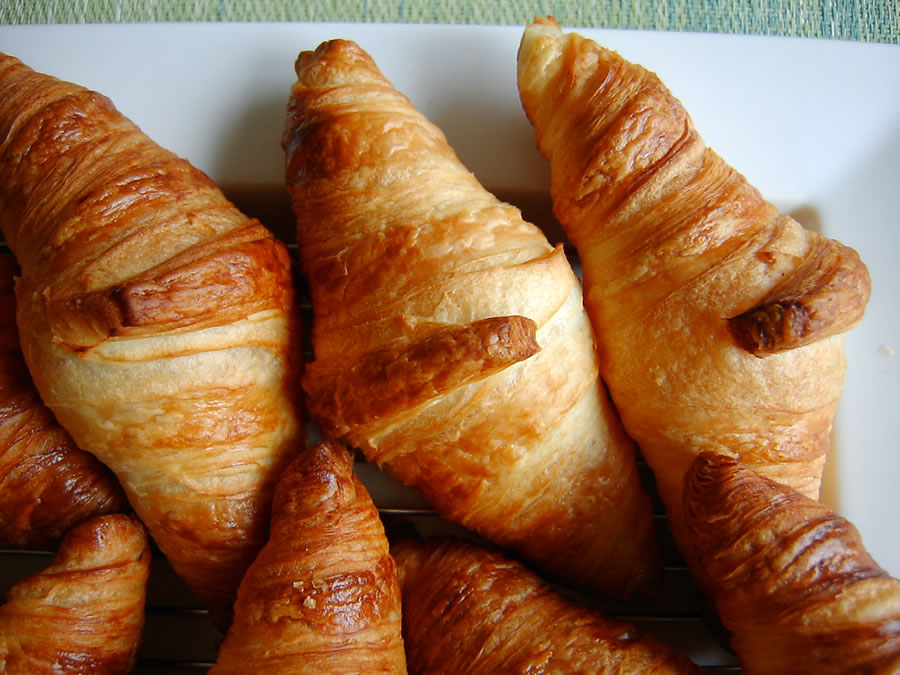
84, 613
47, 484
322, 596
450, 339
467, 609
155, 319
718, 318
791, 579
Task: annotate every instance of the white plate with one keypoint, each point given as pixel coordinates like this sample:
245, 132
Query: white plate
814, 124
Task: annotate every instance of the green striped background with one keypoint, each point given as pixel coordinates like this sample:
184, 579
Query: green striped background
864, 20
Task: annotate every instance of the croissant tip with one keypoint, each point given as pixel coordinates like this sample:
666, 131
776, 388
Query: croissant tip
547, 20
344, 58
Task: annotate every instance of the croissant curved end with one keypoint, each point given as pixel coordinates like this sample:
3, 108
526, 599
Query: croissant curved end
825, 296
241, 273
400, 377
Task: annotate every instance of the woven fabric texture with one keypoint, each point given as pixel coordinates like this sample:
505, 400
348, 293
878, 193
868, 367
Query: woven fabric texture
862, 20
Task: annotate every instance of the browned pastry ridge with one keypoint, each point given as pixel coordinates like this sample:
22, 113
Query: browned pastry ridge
451, 343
156, 321
85, 612
47, 484
322, 596
718, 319
467, 609
791, 579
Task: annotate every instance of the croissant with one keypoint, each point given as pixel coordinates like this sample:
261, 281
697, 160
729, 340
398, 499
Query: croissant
322, 596
718, 319
451, 345
791, 579
47, 484
468, 609
85, 612
156, 320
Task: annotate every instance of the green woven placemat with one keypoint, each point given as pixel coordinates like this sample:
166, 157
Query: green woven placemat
864, 20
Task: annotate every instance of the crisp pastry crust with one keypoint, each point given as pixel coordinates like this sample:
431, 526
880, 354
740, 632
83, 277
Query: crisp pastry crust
790, 578
451, 343
467, 609
718, 318
156, 320
85, 612
322, 596
398, 377
47, 483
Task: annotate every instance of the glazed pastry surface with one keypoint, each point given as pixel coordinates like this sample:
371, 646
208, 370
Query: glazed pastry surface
719, 320
85, 612
322, 596
791, 579
451, 344
156, 320
47, 483
467, 609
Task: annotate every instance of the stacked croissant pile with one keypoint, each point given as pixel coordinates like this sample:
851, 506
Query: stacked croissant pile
454, 347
